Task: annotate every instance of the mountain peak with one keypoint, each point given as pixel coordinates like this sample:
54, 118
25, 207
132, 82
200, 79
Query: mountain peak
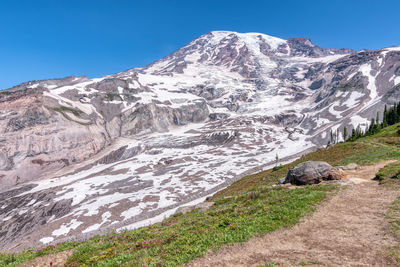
249, 38
301, 46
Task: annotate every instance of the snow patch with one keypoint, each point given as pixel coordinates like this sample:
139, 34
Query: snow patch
65, 228
353, 99
106, 215
46, 240
7, 218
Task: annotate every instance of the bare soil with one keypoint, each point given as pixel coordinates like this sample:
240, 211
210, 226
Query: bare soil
58, 260
349, 229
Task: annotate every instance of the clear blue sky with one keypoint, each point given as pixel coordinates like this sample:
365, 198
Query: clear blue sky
52, 39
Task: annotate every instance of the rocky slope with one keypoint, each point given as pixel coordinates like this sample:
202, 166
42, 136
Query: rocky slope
78, 155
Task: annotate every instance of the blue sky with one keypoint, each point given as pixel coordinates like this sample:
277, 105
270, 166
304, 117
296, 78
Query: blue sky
53, 39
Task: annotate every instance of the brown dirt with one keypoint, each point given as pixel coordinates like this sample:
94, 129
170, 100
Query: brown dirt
58, 260
349, 229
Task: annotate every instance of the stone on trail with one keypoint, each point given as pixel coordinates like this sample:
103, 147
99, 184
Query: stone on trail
312, 172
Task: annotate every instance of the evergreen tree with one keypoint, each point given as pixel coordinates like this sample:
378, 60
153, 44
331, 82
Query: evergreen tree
370, 128
398, 110
358, 131
390, 116
384, 119
396, 114
337, 135
353, 135
377, 117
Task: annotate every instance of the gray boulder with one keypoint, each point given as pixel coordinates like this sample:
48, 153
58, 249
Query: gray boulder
312, 172
348, 167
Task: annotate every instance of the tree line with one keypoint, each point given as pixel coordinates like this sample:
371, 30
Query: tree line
390, 116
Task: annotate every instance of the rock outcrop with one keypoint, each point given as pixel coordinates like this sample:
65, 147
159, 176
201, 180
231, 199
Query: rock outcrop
312, 172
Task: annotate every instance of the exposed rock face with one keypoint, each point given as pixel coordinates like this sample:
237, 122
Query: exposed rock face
154, 118
49, 124
304, 47
312, 172
147, 139
39, 135
26, 221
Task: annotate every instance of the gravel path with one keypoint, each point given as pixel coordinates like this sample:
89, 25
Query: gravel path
349, 229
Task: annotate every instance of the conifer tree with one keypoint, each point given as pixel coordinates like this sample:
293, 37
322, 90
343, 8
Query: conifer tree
390, 116
384, 119
377, 117
371, 129
337, 135
353, 135
396, 114
398, 110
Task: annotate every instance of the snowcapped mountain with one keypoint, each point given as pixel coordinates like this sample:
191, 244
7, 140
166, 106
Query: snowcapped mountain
80, 156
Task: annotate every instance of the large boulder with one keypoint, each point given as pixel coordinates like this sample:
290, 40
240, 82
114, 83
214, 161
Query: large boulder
312, 172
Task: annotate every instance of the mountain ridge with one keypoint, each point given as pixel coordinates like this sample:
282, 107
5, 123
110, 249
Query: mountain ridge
126, 146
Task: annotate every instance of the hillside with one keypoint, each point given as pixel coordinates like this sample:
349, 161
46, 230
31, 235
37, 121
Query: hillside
249, 207
80, 156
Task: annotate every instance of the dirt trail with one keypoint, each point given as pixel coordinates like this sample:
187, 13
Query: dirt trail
57, 259
349, 229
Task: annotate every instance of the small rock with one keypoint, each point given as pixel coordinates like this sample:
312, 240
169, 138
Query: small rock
281, 181
348, 167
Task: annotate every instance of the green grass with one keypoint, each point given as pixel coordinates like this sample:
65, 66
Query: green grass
389, 138
389, 176
5, 93
349, 86
393, 216
277, 168
63, 111
389, 173
183, 237
271, 264
10, 260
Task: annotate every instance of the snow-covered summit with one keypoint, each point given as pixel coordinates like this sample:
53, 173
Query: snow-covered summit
249, 39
